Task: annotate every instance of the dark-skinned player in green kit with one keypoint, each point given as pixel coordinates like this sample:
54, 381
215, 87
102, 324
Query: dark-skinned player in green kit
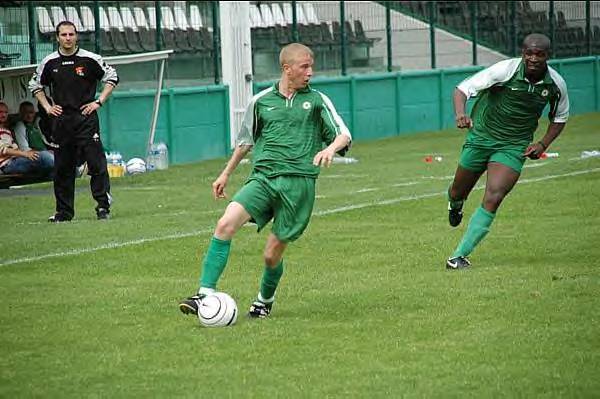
511, 96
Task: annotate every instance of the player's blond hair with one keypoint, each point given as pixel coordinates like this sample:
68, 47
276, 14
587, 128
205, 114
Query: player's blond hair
290, 53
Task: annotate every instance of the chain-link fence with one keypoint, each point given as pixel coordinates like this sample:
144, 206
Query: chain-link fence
347, 37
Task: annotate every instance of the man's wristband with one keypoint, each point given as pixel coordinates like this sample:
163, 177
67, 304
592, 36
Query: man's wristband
543, 145
98, 102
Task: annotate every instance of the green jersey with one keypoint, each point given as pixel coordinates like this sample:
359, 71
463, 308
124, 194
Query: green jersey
509, 106
288, 132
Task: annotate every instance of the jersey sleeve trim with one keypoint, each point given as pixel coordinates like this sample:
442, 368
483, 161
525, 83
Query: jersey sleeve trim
245, 136
110, 74
35, 83
334, 118
500, 72
561, 113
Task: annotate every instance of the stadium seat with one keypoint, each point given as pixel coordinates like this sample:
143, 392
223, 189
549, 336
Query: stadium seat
87, 19
58, 15
115, 35
73, 16
167, 35
179, 36
311, 15
146, 33
122, 37
195, 28
193, 36
45, 25
283, 31
106, 45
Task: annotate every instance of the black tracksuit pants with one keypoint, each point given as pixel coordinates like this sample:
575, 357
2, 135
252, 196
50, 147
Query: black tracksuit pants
78, 137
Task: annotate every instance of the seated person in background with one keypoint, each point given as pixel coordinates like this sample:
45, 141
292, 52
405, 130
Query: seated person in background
27, 130
15, 161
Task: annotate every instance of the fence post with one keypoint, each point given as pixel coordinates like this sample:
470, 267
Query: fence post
551, 18
513, 28
588, 28
97, 38
158, 18
216, 41
343, 35
473, 9
295, 35
32, 33
388, 34
432, 32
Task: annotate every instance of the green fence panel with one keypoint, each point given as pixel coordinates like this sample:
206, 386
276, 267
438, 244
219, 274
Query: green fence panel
194, 122
579, 75
420, 101
375, 103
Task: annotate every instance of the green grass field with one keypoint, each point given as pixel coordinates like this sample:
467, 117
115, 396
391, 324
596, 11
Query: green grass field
365, 307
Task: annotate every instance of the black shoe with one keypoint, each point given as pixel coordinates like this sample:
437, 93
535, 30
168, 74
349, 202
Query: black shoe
102, 214
59, 218
459, 262
190, 305
260, 310
455, 215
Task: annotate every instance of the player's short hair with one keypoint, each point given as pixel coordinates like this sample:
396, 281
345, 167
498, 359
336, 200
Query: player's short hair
65, 23
25, 104
3, 104
537, 40
289, 53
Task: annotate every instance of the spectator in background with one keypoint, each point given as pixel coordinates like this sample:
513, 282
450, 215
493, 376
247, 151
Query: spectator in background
27, 130
15, 161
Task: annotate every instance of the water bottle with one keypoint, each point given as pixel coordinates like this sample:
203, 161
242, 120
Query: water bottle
344, 160
152, 159
162, 156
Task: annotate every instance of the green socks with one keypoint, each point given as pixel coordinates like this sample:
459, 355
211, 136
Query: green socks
478, 227
214, 262
269, 282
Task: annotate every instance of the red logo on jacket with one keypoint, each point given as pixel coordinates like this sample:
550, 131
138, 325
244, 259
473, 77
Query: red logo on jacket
80, 71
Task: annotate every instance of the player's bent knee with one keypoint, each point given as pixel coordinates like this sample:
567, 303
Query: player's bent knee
226, 228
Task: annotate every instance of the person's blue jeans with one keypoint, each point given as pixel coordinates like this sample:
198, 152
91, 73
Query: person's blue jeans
44, 165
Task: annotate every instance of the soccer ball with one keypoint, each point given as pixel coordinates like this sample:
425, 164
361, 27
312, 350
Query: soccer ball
217, 310
135, 166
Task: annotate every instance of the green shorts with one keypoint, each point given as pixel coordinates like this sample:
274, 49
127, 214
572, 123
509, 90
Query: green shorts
475, 156
288, 200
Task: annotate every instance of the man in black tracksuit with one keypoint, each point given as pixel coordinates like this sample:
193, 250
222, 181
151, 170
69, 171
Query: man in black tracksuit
72, 74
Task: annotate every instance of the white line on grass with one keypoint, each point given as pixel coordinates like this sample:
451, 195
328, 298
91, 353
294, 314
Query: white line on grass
319, 213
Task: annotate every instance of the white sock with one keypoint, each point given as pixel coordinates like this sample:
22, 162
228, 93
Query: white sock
263, 300
205, 291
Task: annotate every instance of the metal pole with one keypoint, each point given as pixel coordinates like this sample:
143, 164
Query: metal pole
343, 34
513, 28
588, 28
473, 7
551, 17
32, 38
158, 17
432, 32
97, 44
216, 41
388, 33
155, 107
295, 35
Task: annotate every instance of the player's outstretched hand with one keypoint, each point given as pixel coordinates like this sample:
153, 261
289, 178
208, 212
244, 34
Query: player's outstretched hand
218, 187
463, 121
534, 151
324, 158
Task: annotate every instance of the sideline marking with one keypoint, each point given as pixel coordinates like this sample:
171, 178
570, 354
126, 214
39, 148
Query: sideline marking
320, 213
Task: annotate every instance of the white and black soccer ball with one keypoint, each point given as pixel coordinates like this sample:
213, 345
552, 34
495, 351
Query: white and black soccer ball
135, 166
217, 310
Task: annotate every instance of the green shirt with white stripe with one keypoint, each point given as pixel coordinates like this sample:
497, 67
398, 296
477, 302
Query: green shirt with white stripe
509, 106
288, 132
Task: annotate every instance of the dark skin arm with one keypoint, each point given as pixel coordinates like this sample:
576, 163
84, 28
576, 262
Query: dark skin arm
535, 150
462, 119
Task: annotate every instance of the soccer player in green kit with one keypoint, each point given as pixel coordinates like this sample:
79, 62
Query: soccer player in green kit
511, 97
286, 125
